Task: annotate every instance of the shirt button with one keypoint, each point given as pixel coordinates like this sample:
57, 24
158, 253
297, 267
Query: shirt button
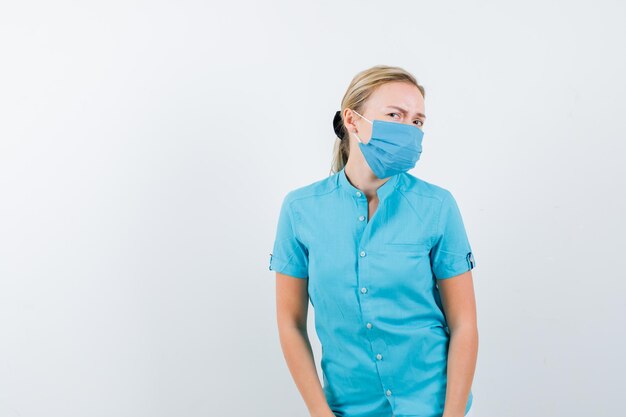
362, 253
358, 194
369, 325
361, 218
363, 290
388, 393
379, 356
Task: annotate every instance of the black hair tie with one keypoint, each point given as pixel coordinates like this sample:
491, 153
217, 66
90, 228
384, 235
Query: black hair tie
338, 126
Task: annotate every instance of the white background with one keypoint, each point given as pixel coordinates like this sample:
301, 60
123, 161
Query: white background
145, 148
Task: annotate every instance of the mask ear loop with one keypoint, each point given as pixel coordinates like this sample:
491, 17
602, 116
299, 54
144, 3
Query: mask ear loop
357, 138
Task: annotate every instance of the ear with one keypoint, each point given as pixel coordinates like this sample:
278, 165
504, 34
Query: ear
349, 119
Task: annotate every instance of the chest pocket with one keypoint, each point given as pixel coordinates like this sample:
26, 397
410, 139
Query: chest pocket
406, 237
416, 248
404, 231
404, 269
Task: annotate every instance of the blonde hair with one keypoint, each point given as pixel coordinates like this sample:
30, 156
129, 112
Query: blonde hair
360, 89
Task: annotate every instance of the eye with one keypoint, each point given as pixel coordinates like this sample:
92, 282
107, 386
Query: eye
389, 114
420, 123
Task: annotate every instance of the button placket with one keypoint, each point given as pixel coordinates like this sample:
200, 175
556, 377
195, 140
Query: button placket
378, 345
367, 285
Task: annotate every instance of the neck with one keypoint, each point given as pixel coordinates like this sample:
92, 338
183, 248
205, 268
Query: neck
361, 176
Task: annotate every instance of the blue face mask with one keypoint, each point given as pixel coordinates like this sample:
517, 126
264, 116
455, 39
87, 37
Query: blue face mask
393, 148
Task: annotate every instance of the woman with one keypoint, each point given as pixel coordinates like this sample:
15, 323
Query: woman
384, 258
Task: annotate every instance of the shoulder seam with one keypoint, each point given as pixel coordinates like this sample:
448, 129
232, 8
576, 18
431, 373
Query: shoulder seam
292, 223
446, 195
316, 194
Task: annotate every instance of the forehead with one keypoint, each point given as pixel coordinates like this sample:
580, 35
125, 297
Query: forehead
401, 94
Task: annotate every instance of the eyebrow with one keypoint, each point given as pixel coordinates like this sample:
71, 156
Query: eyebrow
406, 112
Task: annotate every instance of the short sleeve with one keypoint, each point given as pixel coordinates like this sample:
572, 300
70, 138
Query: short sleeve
289, 255
451, 253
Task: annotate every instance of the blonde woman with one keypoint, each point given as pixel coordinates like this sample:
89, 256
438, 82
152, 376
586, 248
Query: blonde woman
384, 258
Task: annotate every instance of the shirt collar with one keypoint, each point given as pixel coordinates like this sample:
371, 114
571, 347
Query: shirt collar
383, 191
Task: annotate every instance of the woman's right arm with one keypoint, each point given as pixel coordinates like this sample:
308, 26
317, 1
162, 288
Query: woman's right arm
292, 304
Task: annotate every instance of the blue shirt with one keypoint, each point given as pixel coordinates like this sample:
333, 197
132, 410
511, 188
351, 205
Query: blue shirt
372, 284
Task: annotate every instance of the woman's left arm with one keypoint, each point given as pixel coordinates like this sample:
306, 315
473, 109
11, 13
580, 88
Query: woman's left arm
457, 298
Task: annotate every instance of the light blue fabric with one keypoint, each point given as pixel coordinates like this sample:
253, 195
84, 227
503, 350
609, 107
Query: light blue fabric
393, 147
372, 284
